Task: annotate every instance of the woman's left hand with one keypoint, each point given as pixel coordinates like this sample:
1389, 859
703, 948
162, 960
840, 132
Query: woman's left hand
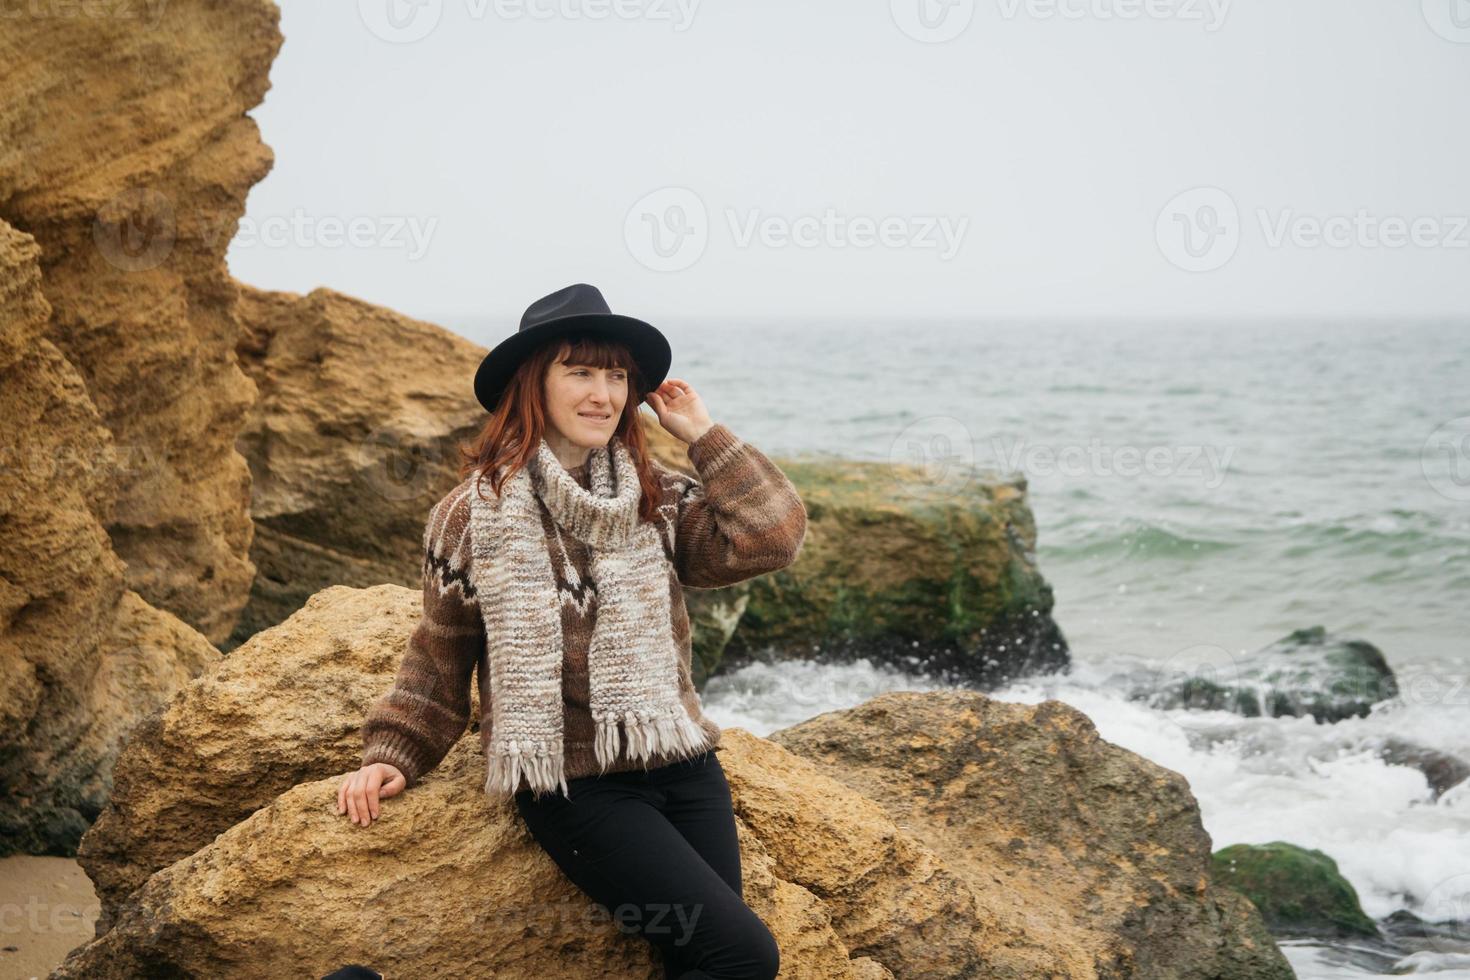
680, 410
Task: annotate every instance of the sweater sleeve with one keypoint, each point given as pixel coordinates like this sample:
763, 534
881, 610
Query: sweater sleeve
741, 518
418, 721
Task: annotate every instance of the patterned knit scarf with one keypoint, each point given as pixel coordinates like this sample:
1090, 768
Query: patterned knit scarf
633, 661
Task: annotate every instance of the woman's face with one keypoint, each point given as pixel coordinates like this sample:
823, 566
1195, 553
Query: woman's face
584, 403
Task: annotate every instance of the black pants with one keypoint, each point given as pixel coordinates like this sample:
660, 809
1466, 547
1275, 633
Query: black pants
657, 850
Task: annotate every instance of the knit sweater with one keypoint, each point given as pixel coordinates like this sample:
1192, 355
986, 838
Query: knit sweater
740, 518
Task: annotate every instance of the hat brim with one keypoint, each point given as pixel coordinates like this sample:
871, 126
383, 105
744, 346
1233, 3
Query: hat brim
647, 344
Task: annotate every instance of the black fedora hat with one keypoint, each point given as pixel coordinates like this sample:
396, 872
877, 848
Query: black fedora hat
577, 309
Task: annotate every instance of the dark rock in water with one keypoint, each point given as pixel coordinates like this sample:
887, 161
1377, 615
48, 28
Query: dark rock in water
937, 579
1307, 673
1410, 931
1299, 891
1444, 771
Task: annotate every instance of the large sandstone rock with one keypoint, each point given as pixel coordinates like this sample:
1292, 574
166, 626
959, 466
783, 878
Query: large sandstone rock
82, 657
1085, 842
283, 708
354, 438
446, 884
919, 835
848, 890
946, 583
295, 694
126, 151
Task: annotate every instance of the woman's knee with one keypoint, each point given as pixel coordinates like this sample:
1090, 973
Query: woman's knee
759, 958
767, 957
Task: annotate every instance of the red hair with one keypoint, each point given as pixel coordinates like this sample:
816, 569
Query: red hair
514, 431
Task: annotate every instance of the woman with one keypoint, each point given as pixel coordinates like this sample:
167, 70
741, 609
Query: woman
557, 566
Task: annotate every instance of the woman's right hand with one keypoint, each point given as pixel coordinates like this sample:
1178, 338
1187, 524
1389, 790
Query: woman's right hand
361, 790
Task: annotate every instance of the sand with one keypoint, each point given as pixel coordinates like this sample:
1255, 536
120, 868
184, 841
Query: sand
47, 908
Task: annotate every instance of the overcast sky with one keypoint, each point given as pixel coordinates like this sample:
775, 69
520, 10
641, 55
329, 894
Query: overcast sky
763, 158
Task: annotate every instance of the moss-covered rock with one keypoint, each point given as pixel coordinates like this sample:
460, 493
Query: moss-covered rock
1299, 891
713, 616
944, 582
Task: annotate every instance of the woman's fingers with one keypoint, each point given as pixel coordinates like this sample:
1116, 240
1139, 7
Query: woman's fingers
360, 798
374, 782
393, 784
361, 793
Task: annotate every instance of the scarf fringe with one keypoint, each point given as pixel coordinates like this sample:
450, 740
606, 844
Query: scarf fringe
541, 763
674, 734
